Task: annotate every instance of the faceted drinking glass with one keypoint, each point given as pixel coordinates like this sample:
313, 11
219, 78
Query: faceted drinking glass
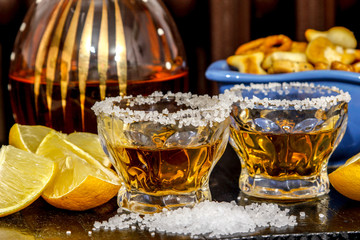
284, 135
163, 146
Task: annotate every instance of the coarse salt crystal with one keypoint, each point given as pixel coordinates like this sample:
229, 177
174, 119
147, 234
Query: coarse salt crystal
213, 219
200, 111
321, 102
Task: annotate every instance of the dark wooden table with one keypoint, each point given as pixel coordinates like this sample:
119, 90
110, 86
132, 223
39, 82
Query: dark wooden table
41, 221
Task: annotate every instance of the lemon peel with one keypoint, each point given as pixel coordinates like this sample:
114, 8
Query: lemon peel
346, 178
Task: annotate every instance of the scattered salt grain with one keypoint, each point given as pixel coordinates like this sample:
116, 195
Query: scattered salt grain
89, 233
321, 215
213, 219
302, 214
68, 232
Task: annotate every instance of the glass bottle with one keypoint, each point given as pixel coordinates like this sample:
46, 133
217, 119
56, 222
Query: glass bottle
69, 54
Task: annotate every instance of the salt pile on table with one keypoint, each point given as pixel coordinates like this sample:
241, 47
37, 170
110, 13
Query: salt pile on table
213, 219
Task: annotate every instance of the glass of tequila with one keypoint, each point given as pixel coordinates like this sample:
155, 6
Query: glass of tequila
284, 135
164, 146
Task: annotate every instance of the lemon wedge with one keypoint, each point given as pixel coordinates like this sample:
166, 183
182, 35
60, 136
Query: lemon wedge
346, 178
81, 182
23, 177
90, 143
27, 137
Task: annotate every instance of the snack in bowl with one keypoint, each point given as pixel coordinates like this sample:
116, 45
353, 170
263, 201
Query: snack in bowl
333, 49
267, 45
275, 56
286, 62
251, 47
337, 65
298, 46
338, 35
250, 63
288, 66
323, 50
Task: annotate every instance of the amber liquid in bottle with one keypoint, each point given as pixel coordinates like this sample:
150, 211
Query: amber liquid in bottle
71, 117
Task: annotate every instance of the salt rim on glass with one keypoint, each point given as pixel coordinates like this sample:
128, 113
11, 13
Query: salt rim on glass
333, 96
201, 110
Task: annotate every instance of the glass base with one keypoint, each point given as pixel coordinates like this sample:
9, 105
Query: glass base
288, 189
139, 202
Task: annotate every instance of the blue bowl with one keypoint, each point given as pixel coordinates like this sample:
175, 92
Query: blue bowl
220, 72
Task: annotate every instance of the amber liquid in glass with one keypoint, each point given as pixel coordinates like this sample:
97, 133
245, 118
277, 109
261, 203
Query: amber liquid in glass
73, 119
157, 171
284, 156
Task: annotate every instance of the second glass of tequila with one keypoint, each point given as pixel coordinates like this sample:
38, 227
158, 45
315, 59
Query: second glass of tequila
163, 146
284, 135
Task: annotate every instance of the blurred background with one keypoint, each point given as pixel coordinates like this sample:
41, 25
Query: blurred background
210, 30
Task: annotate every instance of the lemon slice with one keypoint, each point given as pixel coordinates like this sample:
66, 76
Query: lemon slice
81, 182
346, 178
90, 143
23, 177
27, 137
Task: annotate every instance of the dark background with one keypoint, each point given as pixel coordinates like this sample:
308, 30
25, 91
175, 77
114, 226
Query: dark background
210, 29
